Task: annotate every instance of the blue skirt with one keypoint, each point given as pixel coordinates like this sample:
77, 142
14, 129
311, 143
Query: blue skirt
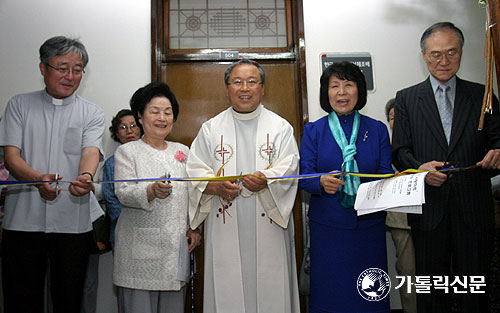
338, 258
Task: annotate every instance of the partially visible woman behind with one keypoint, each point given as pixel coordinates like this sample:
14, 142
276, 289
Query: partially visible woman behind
343, 245
151, 263
124, 128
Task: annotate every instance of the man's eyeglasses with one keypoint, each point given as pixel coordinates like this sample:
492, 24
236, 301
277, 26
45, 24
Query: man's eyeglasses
437, 56
124, 127
65, 70
238, 83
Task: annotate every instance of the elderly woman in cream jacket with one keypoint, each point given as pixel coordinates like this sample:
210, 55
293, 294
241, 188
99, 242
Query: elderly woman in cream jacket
153, 240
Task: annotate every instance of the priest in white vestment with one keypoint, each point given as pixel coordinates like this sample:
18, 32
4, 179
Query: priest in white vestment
249, 244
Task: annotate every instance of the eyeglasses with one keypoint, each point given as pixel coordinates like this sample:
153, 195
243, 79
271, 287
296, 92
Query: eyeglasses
437, 56
65, 70
124, 127
238, 83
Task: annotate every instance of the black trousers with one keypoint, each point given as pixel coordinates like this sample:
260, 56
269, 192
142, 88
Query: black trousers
24, 264
453, 249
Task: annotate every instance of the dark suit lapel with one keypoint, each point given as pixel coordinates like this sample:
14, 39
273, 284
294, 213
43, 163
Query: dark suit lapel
427, 104
461, 112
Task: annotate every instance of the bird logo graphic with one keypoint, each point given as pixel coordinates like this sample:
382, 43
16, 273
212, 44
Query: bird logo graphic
373, 284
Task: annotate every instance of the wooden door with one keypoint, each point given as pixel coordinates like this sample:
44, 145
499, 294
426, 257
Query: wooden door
199, 88
198, 82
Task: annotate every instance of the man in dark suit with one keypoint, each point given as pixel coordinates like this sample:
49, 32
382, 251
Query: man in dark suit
436, 125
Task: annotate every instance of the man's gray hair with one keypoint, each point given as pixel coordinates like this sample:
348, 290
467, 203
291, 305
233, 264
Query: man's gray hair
60, 45
439, 26
244, 61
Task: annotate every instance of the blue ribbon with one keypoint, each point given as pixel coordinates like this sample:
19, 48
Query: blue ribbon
301, 176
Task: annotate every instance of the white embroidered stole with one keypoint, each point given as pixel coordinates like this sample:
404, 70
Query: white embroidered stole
271, 254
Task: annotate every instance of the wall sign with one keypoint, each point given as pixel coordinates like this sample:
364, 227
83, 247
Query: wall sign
363, 60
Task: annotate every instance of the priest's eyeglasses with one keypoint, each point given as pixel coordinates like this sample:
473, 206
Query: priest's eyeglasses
124, 127
77, 71
251, 83
437, 56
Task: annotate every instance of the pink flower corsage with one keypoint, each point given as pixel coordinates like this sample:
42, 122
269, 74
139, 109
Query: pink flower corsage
180, 156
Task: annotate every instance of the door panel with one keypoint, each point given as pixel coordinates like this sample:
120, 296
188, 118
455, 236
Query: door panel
199, 88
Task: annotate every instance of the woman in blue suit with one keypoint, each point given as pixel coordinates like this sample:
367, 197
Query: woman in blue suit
344, 245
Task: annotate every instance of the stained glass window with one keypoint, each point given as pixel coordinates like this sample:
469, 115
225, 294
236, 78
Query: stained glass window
205, 24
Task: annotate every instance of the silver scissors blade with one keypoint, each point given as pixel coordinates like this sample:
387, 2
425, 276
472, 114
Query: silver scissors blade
167, 175
57, 184
238, 182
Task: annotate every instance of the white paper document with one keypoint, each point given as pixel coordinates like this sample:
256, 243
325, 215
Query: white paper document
404, 194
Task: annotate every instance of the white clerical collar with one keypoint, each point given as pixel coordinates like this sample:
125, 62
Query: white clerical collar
59, 102
247, 116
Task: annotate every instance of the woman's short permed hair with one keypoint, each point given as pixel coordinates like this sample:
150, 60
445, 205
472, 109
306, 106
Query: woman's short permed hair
116, 121
345, 71
145, 94
388, 107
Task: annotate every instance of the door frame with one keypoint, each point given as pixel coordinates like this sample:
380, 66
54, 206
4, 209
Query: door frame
294, 53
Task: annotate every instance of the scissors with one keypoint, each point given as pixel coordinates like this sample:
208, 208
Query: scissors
342, 176
238, 182
57, 184
167, 175
449, 166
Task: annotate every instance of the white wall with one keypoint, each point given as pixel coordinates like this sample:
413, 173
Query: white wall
390, 30
116, 34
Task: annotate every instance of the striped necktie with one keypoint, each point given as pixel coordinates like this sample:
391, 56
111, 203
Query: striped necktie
445, 109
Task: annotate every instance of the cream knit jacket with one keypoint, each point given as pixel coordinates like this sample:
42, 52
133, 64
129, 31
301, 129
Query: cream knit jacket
148, 234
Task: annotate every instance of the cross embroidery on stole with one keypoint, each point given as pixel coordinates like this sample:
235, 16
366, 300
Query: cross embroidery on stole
224, 203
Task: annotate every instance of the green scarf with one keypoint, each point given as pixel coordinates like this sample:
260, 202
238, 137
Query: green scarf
348, 192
